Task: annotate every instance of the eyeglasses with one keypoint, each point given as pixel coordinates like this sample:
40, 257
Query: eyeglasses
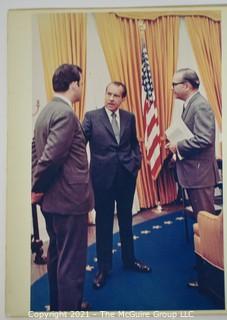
176, 83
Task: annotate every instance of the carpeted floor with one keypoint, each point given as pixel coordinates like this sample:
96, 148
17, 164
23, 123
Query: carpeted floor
159, 242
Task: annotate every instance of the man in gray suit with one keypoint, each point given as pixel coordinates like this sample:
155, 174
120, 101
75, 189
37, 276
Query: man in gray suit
196, 163
61, 184
115, 161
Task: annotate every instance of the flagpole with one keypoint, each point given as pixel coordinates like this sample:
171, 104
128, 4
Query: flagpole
142, 28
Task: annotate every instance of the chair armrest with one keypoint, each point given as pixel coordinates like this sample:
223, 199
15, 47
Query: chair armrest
196, 228
211, 237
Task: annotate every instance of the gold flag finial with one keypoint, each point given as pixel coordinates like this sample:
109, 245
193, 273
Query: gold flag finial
142, 28
142, 25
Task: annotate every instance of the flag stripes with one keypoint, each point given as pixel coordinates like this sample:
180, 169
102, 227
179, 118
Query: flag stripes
152, 133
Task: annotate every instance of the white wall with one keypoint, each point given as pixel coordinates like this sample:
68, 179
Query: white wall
38, 85
97, 71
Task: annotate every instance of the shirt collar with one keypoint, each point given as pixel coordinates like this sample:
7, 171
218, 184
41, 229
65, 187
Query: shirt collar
63, 98
109, 113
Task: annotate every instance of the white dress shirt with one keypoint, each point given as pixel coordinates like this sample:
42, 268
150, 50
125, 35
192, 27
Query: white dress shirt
109, 113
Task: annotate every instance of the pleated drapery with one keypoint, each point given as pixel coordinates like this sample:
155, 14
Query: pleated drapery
206, 43
63, 40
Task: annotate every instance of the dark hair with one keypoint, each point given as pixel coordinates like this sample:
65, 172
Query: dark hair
119, 84
64, 75
190, 76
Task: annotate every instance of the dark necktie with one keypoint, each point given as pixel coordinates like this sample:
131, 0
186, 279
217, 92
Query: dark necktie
184, 107
115, 127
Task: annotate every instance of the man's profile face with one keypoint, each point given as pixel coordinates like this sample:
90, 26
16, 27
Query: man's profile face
178, 86
113, 97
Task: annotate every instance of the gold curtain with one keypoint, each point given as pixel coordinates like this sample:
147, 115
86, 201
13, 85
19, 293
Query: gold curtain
151, 14
63, 40
205, 35
162, 39
122, 51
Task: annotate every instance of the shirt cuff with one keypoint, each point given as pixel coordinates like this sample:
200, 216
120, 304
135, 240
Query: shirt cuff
179, 155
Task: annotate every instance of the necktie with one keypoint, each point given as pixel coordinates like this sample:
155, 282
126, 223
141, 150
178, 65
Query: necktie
184, 106
115, 127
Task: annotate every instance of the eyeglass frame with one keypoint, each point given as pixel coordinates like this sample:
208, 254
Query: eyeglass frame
176, 83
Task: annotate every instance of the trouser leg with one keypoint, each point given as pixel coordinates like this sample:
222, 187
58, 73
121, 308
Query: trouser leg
71, 243
125, 189
52, 260
104, 207
202, 199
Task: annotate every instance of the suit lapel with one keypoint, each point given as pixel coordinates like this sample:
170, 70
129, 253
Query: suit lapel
106, 122
123, 121
184, 114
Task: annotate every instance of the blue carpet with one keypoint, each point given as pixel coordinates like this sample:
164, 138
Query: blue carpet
159, 242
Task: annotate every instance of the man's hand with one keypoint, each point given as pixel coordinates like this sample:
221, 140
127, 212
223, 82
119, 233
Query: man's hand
37, 197
172, 147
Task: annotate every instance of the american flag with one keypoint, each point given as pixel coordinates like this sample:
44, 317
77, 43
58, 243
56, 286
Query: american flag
152, 133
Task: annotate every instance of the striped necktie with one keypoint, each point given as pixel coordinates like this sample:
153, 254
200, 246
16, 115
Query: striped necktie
115, 126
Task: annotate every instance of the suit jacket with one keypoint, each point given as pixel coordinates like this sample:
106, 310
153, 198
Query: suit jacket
106, 153
198, 169
59, 161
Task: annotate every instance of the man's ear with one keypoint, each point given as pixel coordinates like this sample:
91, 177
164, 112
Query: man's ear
73, 84
188, 85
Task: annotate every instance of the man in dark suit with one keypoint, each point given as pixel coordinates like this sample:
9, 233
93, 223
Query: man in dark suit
196, 163
61, 184
115, 161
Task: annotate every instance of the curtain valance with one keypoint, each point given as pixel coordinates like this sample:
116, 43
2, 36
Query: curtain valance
153, 15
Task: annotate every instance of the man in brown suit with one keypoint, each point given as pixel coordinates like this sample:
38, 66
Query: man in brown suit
61, 184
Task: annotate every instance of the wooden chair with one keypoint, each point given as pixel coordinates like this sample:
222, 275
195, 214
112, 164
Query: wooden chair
208, 246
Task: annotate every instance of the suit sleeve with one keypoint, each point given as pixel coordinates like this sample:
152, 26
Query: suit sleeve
135, 143
59, 140
203, 132
87, 126
34, 155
